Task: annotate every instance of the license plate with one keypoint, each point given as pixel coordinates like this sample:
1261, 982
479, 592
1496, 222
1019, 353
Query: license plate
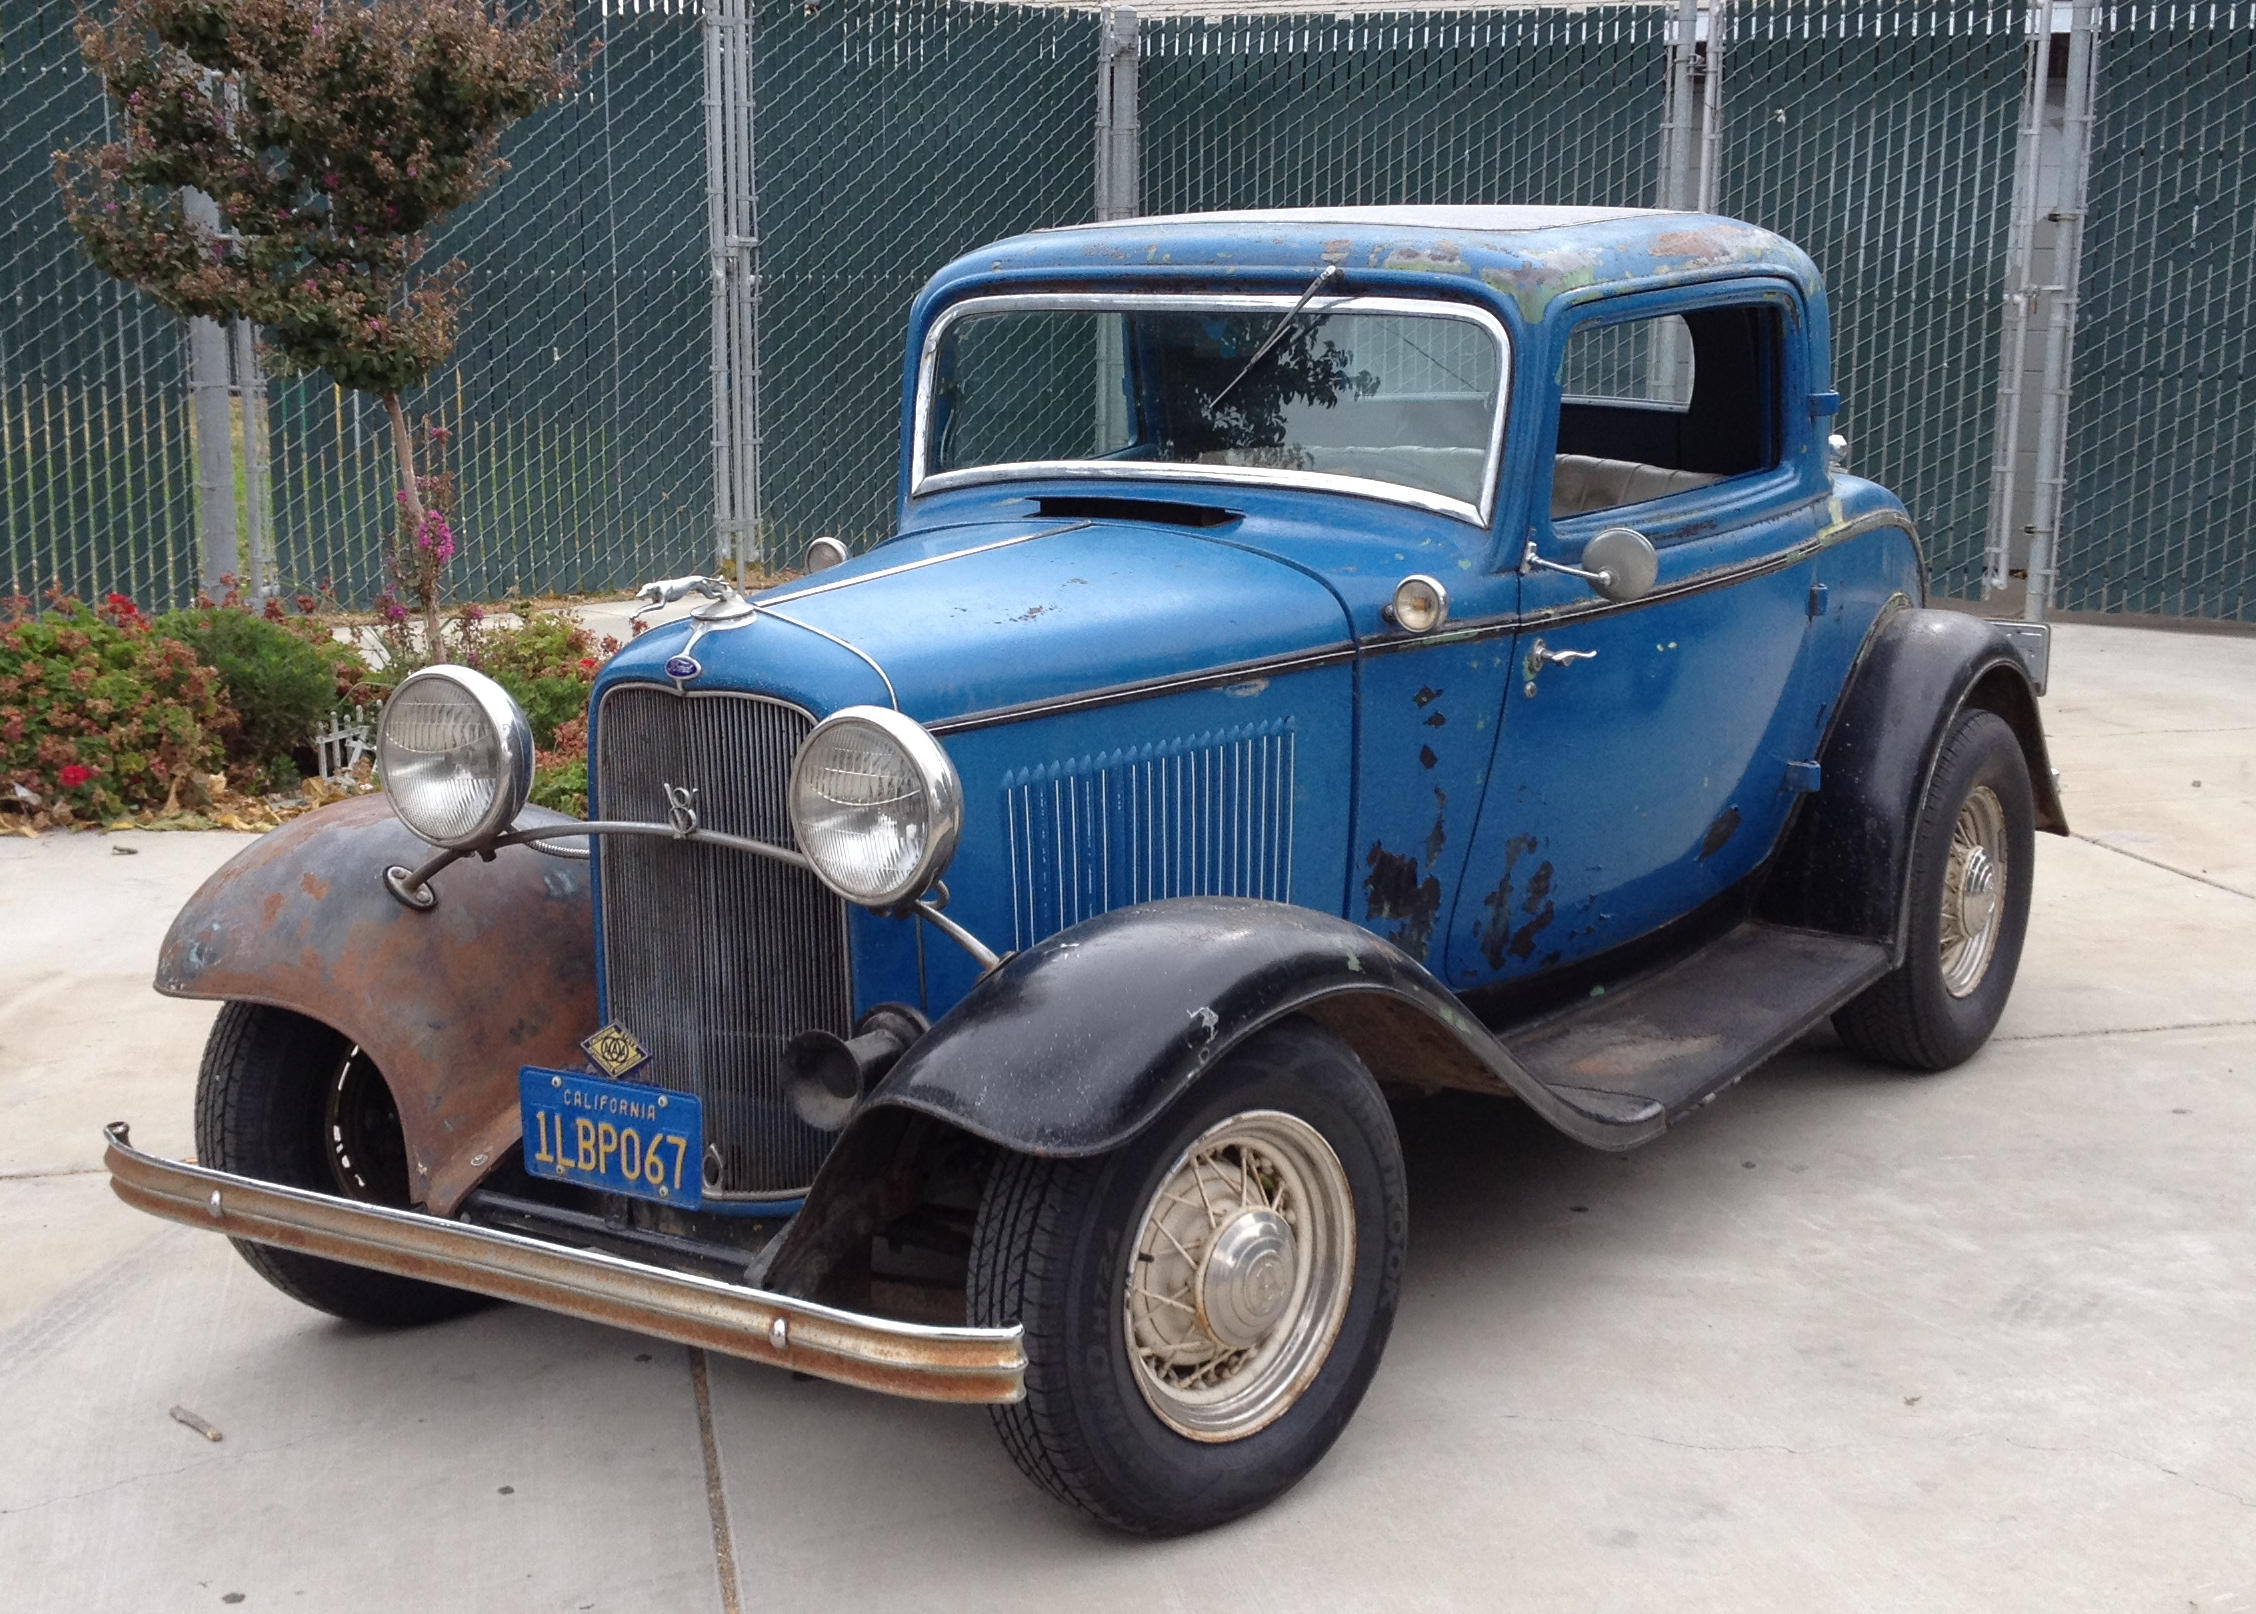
621, 1137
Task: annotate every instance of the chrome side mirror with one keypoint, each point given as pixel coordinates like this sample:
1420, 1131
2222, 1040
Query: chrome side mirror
824, 553
1621, 564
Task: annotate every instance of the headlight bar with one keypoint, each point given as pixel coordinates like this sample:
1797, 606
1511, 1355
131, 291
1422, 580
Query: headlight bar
413, 886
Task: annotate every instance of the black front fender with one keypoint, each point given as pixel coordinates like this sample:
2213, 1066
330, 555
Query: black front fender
1076, 1044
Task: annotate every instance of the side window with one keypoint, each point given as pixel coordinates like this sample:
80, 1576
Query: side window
1652, 407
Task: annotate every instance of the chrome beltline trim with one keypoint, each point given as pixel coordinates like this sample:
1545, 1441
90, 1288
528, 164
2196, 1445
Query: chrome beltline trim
891, 694
1697, 583
767, 602
877, 1353
1172, 683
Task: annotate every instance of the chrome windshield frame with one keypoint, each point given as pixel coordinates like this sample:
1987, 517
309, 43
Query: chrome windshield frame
923, 480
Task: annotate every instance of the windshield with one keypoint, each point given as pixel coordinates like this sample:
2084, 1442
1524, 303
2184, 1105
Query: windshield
1404, 398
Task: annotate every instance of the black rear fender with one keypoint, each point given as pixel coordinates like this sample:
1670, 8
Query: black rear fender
1846, 862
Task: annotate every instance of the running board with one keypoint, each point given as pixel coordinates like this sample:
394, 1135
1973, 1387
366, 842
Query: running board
1672, 1040
876, 1353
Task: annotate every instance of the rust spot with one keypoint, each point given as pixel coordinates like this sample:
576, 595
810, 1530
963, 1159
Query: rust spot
270, 909
1496, 935
1393, 892
1724, 827
1439, 836
1539, 904
313, 885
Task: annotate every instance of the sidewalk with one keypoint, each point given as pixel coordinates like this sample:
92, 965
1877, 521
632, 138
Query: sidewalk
1849, 1341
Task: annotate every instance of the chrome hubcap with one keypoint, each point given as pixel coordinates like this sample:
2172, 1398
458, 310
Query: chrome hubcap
1246, 1280
1973, 892
1239, 1276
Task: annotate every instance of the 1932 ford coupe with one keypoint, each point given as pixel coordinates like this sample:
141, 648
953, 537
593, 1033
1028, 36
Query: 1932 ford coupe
1325, 657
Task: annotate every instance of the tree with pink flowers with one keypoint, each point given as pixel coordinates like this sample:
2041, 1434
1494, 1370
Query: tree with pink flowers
333, 136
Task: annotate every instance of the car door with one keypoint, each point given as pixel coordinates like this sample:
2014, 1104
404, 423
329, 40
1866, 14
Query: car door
1642, 757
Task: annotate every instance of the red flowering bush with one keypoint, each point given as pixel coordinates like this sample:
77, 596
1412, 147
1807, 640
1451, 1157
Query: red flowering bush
99, 714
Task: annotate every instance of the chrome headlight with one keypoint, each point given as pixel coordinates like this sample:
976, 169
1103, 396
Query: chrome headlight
456, 754
875, 805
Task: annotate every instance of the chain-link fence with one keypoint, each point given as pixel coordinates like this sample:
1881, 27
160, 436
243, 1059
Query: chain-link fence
1463, 107
577, 402
2162, 444
97, 476
1882, 143
893, 134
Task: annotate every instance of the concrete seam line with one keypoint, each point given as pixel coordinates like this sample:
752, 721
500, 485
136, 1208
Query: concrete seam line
2125, 1031
716, 1499
2167, 868
63, 1171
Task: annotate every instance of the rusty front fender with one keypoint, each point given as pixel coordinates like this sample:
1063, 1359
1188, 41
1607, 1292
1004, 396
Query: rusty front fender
449, 1002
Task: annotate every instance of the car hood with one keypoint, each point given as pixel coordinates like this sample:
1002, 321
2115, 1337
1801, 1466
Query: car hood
982, 617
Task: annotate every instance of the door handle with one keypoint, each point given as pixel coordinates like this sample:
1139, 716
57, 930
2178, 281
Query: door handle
1542, 656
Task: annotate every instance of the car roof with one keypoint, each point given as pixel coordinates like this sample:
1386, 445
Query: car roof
1528, 254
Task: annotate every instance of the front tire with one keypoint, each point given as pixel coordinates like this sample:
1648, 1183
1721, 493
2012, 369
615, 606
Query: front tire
284, 1099
1204, 1306
1972, 852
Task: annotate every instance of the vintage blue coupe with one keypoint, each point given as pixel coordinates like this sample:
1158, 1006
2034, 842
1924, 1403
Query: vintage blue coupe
1326, 657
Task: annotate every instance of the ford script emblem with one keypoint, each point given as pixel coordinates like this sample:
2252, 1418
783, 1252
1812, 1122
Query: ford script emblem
681, 667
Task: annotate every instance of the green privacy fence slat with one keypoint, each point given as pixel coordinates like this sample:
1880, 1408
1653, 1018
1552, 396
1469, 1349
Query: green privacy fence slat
97, 485
2161, 508
892, 135
1290, 111
1881, 141
577, 401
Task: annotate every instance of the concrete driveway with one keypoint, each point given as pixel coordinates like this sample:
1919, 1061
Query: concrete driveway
1849, 1341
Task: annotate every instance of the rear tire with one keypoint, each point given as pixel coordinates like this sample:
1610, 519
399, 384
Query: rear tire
286, 1100
1969, 907
1165, 1393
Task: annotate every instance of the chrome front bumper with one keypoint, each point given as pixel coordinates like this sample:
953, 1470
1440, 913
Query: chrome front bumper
876, 1353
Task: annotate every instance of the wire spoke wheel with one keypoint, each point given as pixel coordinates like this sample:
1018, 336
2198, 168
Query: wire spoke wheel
1974, 892
1239, 1275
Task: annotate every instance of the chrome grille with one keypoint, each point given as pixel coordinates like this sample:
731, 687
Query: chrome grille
1207, 815
717, 959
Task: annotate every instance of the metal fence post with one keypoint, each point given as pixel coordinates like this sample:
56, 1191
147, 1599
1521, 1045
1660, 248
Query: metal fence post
1119, 195
1673, 186
1710, 199
2020, 293
208, 391
258, 496
1119, 134
732, 247
2060, 312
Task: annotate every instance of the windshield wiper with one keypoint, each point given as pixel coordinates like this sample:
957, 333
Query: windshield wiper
1324, 277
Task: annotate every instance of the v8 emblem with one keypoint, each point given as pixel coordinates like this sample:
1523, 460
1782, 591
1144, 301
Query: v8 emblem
681, 808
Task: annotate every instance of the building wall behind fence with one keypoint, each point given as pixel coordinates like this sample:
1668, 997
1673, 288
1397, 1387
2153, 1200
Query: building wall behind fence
893, 135
578, 401
97, 478
2161, 508
1881, 141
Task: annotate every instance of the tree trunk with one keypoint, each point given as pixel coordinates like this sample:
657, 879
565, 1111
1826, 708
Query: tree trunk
411, 500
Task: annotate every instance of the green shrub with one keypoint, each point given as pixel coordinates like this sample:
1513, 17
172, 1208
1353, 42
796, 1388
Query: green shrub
278, 682
98, 714
562, 786
548, 664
